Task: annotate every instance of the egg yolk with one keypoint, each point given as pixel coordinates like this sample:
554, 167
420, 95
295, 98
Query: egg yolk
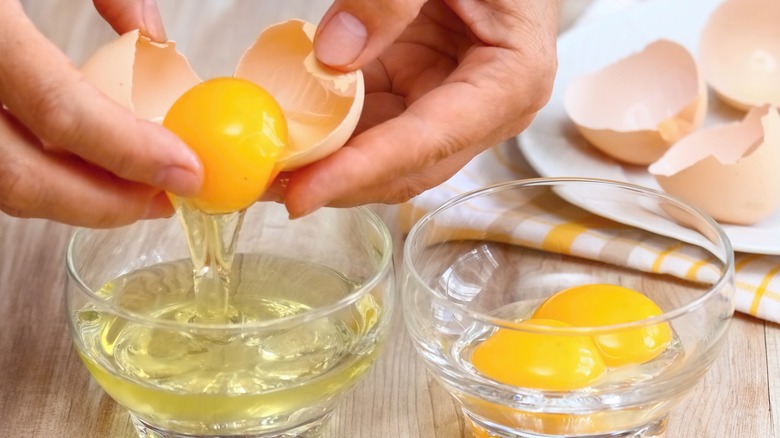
539, 359
238, 131
597, 305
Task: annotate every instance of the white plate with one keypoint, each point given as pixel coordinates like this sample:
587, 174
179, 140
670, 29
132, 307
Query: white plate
552, 144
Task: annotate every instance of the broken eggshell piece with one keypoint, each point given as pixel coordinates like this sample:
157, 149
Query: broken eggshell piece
634, 109
729, 171
322, 106
141, 75
739, 52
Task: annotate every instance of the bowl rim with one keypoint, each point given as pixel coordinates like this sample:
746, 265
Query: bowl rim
726, 276
383, 269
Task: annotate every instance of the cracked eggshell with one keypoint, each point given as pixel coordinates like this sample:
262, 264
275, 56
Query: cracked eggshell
634, 109
142, 75
322, 106
729, 171
739, 52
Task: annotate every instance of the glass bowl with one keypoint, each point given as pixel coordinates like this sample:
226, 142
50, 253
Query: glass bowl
309, 306
478, 269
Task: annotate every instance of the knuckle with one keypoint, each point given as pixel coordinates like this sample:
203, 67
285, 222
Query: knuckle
60, 124
545, 79
67, 127
121, 162
401, 11
11, 211
18, 193
107, 219
542, 75
413, 190
445, 147
432, 146
404, 9
408, 187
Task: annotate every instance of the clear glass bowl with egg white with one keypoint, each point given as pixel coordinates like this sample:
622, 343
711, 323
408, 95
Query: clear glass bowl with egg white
231, 319
307, 308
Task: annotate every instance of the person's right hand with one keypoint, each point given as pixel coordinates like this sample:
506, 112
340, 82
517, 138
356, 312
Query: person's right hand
445, 80
67, 152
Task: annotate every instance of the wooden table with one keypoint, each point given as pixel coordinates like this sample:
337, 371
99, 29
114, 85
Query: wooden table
46, 392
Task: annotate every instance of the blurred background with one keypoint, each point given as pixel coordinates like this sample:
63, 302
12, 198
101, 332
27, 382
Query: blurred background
231, 25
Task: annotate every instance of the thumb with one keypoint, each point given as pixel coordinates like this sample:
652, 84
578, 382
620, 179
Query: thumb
354, 32
127, 15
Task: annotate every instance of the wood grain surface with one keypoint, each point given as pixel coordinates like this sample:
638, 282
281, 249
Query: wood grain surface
46, 392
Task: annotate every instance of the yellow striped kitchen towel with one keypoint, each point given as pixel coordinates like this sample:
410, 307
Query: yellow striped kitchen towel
575, 231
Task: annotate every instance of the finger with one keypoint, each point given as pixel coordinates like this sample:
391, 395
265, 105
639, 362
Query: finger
405, 187
379, 107
388, 181
354, 32
61, 187
387, 150
49, 96
492, 95
127, 15
515, 24
449, 120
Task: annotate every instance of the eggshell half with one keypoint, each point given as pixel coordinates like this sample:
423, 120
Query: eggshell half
729, 171
739, 51
322, 106
141, 75
637, 107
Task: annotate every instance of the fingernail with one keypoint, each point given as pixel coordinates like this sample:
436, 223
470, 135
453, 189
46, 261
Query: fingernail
178, 180
152, 21
306, 212
159, 207
272, 196
275, 190
341, 41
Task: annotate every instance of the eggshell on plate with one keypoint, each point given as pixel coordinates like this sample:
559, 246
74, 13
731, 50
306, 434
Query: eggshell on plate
739, 52
322, 106
729, 171
636, 108
142, 75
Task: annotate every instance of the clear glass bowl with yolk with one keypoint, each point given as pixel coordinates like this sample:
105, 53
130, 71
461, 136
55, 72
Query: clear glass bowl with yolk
567, 307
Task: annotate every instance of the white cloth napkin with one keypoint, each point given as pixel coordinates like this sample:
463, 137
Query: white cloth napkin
757, 276
574, 231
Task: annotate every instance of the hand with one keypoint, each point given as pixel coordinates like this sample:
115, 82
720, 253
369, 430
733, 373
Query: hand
67, 152
445, 80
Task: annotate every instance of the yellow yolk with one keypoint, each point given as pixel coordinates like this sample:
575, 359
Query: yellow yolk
238, 131
535, 359
478, 431
605, 304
